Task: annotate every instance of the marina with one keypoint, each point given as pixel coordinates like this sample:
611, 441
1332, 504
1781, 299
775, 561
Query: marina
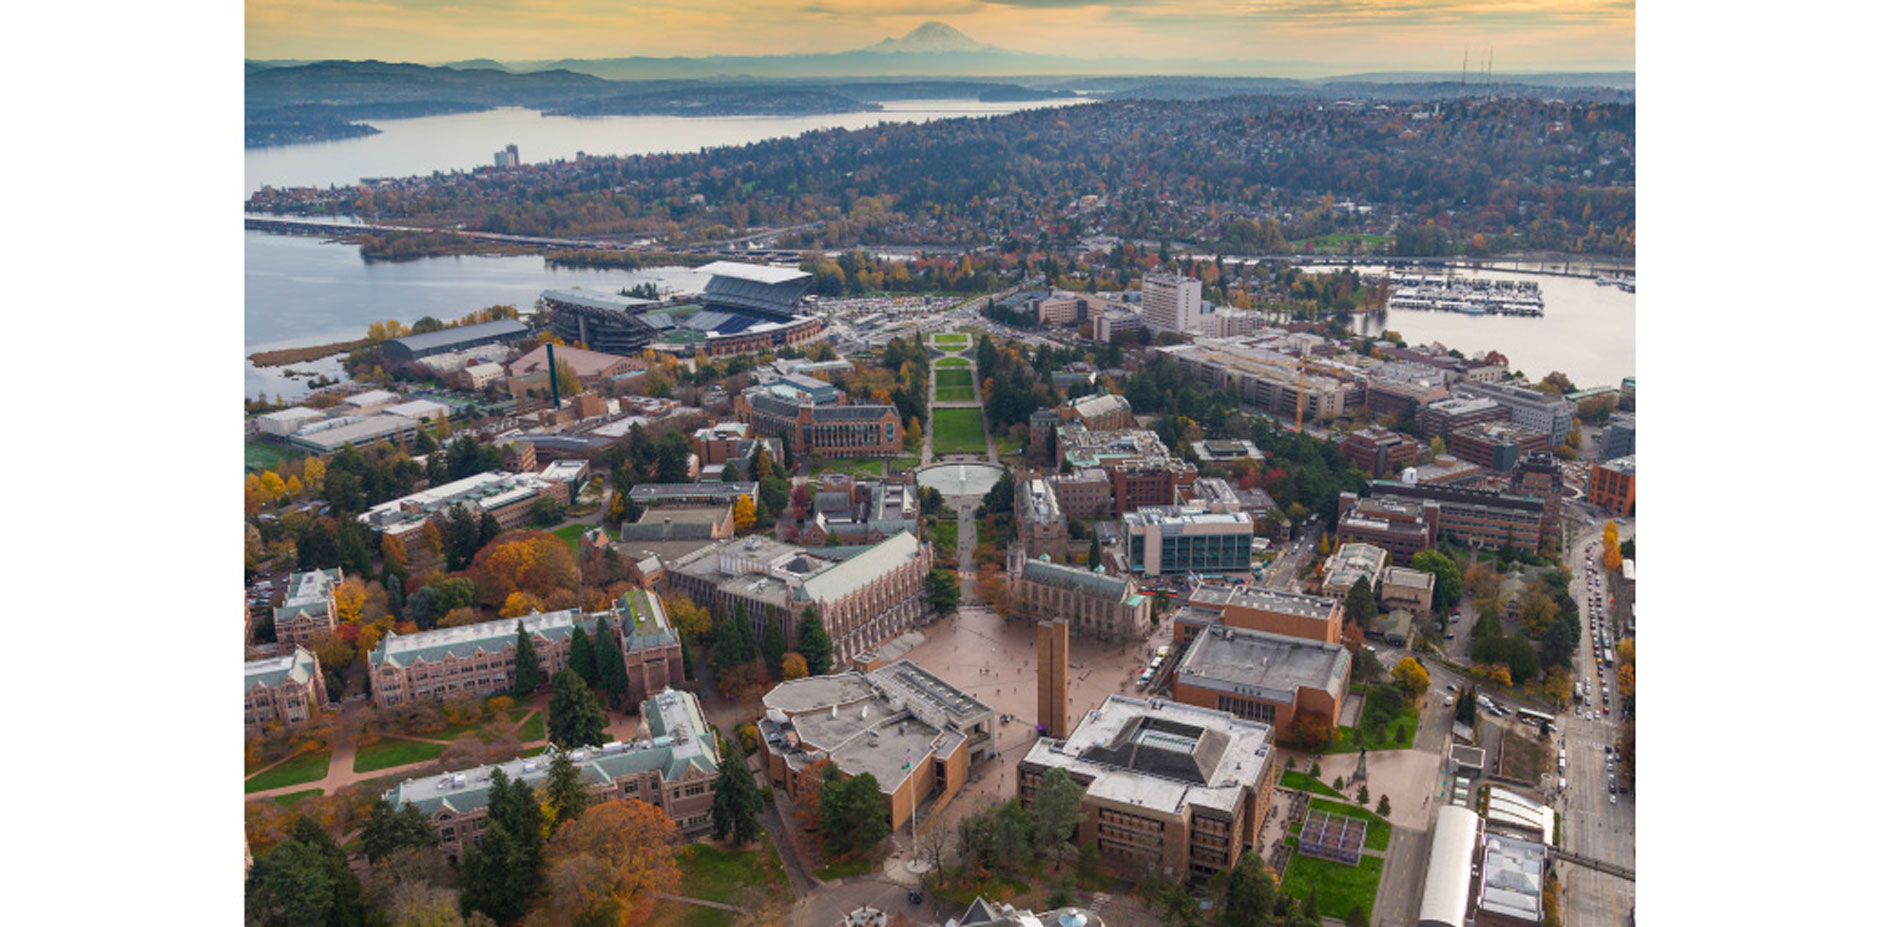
1466, 296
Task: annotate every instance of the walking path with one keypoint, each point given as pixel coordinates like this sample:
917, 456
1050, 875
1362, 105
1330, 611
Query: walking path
683, 899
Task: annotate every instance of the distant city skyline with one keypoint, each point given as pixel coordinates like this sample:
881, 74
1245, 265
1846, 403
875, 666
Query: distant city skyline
1343, 35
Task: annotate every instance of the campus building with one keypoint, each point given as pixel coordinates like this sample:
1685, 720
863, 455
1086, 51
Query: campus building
1406, 588
471, 661
857, 511
1495, 445
1266, 377
591, 368
309, 607
747, 308
1168, 788
1040, 524
864, 598
1171, 303
1352, 562
1107, 607
1381, 452
694, 495
1259, 608
1398, 526
808, 427
451, 340
1439, 419
1613, 486
509, 497
1140, 469
734, 441
1619, 437
913, 732
673, 767
1086, 493
283, 691
1275, 679
1528, 407
649, 646
1163, 540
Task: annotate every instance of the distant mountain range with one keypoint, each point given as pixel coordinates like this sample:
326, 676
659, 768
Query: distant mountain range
937, 49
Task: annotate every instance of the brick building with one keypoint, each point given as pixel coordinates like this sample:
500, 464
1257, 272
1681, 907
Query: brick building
1379, 451
1168, 788
309, 607
1086, 493
1352, 562
1495, 445
1040, 524
673, 768
1399, 526
917, 735
1275, 679
471, 661
283, 690
1613, 486
807, 427
1440, 419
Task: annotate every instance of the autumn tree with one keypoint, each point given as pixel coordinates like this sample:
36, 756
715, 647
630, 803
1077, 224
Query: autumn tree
743, 513
793, 666
533, 562
610, 865
432, 540
688, 617
575, 718
1411, 678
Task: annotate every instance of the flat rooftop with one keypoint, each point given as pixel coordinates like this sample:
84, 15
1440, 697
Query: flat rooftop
1255, 663
1161, 755
1263, 598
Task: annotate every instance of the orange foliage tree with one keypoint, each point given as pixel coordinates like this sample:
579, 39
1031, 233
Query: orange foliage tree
610, 864
534, 562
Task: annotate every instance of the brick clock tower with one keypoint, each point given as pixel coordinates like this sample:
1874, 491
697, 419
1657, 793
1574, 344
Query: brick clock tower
1052, 678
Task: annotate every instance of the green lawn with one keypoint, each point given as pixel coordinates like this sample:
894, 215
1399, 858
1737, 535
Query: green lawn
259, 456
722, 875
535, 729
1294, 779
572, 535
1372, 242
946, 362
297, 770
384, 754
290, 799
901, 464
857, 466
956, 386
958, 431
1386, 740
450, 733
1340, 888
1378, 829
952, 341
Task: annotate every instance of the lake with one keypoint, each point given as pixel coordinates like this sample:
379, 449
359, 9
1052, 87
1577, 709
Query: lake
408, 147
1587, 331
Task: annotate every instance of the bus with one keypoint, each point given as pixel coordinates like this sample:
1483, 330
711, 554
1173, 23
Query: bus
1535, 717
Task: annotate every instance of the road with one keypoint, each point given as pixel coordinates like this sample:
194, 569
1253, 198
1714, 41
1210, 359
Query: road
1592, 825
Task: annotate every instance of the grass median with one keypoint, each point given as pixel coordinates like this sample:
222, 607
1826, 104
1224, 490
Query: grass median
958, 431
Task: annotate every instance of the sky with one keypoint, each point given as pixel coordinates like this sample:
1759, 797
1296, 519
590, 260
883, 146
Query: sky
1521, 35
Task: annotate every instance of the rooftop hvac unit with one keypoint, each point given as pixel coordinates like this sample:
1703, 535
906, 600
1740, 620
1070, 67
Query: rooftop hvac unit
461, 779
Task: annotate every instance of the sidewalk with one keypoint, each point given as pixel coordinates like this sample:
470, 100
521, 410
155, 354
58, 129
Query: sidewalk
342, 771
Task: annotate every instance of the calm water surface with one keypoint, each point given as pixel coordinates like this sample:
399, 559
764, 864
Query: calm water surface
464, 141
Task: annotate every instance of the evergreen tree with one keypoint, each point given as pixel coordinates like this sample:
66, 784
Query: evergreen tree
852, 813
610, 669
814, 643
575, 718
289, 886
390, 829
566, 795
736, 798
942, 591
528, 675
1056, 811
1361, 607
464, 538
1095, 552
1248, 901
502, 873
580, 659
772, 645
488, 530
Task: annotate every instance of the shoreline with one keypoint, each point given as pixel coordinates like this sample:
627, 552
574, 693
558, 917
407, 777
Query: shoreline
285, 356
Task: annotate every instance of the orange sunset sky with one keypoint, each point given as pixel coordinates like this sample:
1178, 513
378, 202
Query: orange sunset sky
1522, 35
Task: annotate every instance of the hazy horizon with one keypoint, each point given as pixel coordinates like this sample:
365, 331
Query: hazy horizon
1336, 36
